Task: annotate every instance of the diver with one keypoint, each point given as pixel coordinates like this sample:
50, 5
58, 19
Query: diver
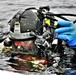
23, 23
67, 32
21, 26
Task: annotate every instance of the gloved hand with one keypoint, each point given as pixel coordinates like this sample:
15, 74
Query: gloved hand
70, 72
67, 32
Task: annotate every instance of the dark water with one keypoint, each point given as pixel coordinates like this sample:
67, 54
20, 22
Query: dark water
8, 8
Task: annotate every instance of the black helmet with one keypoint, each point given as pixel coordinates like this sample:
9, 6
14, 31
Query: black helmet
22, 24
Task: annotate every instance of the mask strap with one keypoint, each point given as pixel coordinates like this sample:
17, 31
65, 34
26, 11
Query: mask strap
17, 29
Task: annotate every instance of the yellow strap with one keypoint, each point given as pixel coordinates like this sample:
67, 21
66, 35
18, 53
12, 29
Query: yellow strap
55, 23
47, 22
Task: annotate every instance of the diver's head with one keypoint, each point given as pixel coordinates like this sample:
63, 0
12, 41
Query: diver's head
22, 24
